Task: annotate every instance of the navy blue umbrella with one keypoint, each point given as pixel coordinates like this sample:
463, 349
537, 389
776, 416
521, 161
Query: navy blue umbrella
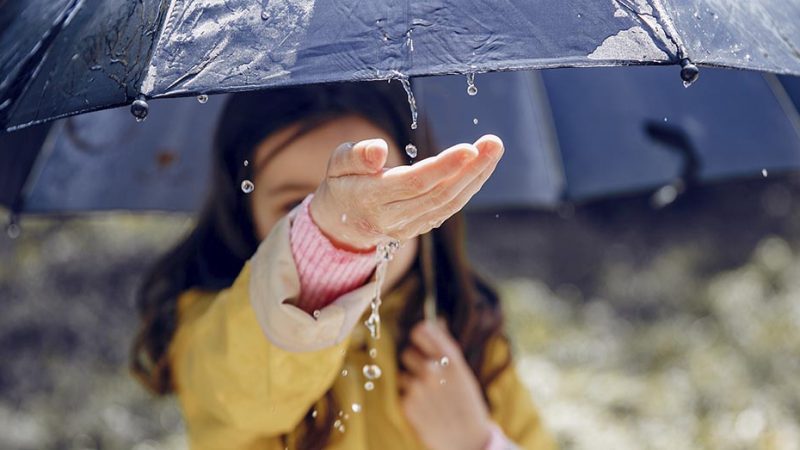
62, 57
566, 141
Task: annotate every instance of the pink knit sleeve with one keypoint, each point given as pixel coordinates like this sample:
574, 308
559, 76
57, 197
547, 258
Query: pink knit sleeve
326, 272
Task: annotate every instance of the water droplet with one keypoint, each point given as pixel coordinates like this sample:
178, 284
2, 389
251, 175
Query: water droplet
373, 353
246, 163
344, 372
444, 361
314, 414
497, 216
665, 119
202, 98
371, 371
580, 15
356, 407
341, 413
442, 381
139, 109
316, 313
411, 150
369, 385
764, 173
337, 423
344, 218
412, 102
475, 121
247, 186
13, 230
264, 15
471, 88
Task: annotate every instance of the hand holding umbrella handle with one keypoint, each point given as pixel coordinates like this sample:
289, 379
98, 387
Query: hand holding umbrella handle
360, 203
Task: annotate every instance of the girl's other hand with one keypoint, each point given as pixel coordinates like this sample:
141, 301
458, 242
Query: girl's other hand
360, 203
441, 397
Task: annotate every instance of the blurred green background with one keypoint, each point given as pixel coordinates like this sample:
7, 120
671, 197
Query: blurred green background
634, 328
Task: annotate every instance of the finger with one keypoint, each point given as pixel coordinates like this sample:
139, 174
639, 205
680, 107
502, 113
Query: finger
360, 158
433, 219
421, 337
405, 182
454, 192
414, 361
434, 341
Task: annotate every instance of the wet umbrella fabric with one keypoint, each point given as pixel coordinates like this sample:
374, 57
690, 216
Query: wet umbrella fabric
62, 57
565, 140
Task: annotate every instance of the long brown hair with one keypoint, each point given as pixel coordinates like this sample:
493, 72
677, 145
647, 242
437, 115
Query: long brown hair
213, 254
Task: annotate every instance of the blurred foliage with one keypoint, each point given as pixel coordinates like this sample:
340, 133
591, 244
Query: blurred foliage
634, 328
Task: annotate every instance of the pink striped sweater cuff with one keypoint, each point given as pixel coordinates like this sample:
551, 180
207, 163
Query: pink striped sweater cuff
326, 272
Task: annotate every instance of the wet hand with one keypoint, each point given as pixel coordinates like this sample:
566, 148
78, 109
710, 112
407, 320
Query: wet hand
441, 397
360, 203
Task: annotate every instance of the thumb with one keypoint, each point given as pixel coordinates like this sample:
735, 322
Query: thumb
362, 158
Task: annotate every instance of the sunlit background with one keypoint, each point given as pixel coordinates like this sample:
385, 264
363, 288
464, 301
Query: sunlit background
634, 328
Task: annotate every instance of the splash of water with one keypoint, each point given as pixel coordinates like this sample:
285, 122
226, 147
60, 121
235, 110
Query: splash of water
385, 253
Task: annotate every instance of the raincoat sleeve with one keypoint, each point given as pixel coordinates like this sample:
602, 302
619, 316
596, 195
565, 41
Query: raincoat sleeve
513, 409
247, 365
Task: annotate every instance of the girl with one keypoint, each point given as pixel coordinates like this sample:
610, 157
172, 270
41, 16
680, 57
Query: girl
255, 319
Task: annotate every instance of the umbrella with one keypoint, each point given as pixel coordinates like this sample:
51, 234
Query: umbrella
62, 57
566, 141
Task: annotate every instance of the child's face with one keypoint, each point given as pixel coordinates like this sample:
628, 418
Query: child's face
284, 177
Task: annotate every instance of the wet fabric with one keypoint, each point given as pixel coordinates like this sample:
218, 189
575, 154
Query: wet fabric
565, 140
61, 57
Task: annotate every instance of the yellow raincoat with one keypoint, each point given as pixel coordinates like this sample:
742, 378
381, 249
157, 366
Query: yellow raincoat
248, 367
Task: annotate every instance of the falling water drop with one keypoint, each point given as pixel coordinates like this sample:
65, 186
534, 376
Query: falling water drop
764, 173
475, 121
411, 150
373, 353
264, 15
665, 119
444, 361
369, 385
472, 90
202, 98
412, 102
247, 186
246, 163
316, 313
371, 371
13, 230
344, 372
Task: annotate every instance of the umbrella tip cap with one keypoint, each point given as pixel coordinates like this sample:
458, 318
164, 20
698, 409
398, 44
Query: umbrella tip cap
139, 109
689, 72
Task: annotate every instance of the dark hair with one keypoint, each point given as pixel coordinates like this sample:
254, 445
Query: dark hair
213, 254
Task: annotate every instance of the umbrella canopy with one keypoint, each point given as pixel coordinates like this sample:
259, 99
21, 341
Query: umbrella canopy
565, 140
61, 57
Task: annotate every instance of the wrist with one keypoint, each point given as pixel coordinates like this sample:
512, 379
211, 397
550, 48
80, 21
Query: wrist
333, 225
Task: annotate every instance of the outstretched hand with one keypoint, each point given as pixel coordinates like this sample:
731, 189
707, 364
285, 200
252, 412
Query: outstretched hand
360, 203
